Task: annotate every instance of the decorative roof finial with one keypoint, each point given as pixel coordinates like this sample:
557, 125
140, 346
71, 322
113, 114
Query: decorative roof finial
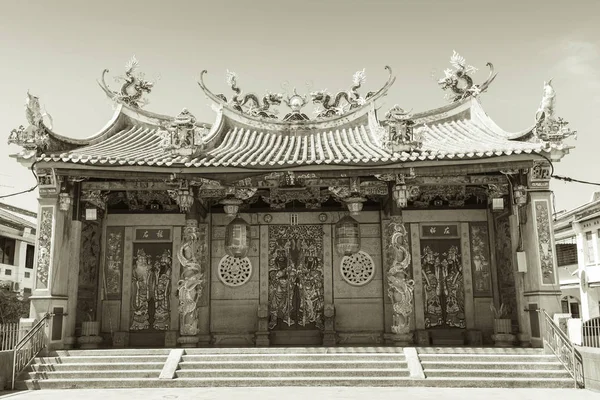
133, 88
295, 102
35, 136
549, 128
459, 81
182, 136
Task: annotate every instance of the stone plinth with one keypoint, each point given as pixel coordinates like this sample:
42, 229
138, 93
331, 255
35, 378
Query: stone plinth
503, 339
399, 339
188, 341
423, 338
89, 342
474, 337
121, 339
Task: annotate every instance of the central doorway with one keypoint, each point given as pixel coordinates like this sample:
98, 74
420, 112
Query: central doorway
296, 284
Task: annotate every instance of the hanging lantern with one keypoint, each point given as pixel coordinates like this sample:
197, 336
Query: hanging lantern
231, 206
347, 236
355, 204
237, 238
400, 195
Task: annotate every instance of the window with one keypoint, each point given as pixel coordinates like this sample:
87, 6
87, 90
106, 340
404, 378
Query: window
589, 248
566, 254
29, 256
7, 251
27, 274
8, 272
570, 305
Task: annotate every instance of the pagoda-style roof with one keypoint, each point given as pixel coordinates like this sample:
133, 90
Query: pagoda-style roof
246, 133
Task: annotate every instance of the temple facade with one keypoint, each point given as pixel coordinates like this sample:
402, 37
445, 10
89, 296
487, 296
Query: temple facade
270, 227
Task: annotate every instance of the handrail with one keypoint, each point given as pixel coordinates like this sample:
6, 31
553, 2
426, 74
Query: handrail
564, 350
28, 347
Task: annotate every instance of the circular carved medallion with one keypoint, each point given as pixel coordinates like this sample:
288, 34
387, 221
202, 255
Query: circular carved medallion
234, 271
357, 269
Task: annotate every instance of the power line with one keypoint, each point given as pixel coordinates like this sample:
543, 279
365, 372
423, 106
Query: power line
568, 179
27, 190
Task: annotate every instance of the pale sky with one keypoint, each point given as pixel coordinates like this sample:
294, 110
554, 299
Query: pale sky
58, 49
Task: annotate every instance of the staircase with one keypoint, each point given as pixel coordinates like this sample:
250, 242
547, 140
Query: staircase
492, 367
316, 366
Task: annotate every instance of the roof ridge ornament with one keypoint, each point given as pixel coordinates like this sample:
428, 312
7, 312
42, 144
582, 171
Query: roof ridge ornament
295, 103
250, 103
343, 101
459, 82
182, 136
35, 136
398, 134
133, 88
551, 129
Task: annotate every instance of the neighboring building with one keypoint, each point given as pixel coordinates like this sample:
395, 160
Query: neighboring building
577, 238
17, 248
169, 231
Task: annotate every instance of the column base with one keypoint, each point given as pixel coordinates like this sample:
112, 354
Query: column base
69, 342
524, 339
474, 337
89, 342
329, 339
503, 339
423, 338
171, 339
120, 339
262, 339
399, 339
188, 341
204, 340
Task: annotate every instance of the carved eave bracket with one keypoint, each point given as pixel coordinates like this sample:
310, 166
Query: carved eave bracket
550, 129
459, 82
182, 136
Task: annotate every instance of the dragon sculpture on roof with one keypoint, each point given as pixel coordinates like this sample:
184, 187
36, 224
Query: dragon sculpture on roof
459, 82
133, 88
250, 103
343, 101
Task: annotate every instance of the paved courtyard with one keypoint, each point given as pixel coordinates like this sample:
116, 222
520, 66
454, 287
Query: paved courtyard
302, 393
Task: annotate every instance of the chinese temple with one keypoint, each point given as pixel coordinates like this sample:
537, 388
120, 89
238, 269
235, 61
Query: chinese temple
270, 227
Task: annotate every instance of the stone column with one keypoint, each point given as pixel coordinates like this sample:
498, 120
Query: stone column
541, 288
52, 262
191, 284
400, 285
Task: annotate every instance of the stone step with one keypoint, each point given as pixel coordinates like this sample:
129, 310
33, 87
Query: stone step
100, 359
296, 350
293, 357
290, 373
462, 365
97, 366
340, 364
492, 382
478, 350
492, 358
295, 381
113, 374
497, 373
110, 352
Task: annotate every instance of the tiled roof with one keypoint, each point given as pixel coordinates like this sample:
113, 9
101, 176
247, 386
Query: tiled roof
472, 136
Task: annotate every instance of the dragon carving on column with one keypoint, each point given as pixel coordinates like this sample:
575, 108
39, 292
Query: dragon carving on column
133, 88
459, 82
400, 286
343, 101
250, 103
192, 280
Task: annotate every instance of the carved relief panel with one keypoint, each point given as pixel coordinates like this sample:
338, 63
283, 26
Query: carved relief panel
442, 274
89, 259
480, 259
296, 296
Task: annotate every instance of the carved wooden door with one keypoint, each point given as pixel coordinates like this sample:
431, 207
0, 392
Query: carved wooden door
295, 277
151, 287
443, 288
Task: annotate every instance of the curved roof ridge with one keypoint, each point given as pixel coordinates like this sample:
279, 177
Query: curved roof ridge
276, 124
479, 115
